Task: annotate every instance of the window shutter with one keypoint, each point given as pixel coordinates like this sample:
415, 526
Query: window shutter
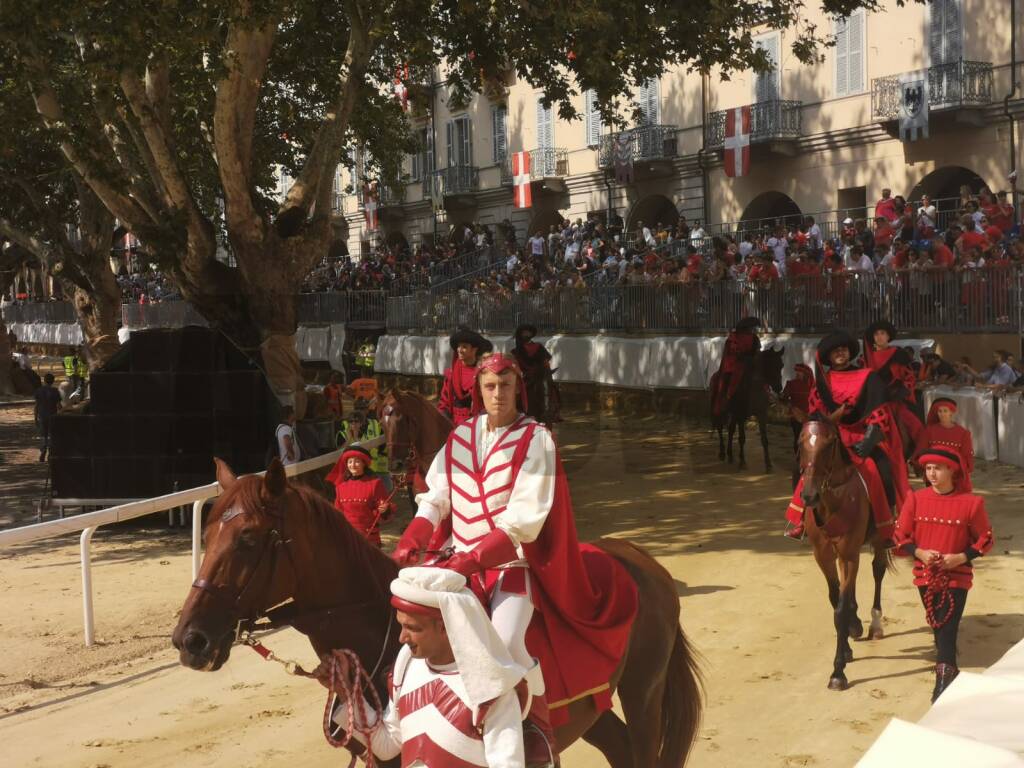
952, 24
650, 103
450, 130
499, 137
767, 84
944, 32
429, 163
545, 137
593, 119
842, 56
465, 142
855, 52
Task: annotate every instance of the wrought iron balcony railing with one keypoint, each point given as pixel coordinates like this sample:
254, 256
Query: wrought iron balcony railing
646, 142
545, 163
454, 180
386, 196
769, 121
950, 86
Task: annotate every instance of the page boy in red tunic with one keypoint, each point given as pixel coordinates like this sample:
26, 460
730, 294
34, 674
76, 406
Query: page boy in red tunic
945, 529
941, 431
856, 400
456, 400
359, 494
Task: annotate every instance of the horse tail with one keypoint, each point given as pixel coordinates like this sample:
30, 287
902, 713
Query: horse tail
681, 704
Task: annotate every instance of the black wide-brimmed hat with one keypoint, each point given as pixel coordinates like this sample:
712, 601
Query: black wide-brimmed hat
747, 323
880, 325
474, 339
835, 340
529, 328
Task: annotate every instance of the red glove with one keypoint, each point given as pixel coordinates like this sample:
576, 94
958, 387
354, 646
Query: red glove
413, 541
495, 549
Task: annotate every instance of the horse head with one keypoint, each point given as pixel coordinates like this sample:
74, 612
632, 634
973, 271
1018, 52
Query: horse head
249, 566
819, 443
772, 364
399, 433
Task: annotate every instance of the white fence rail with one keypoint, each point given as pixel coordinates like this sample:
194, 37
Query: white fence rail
88, 523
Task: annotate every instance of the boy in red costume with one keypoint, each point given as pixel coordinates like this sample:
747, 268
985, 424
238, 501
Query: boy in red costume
741, 346
942, 432
893, 364
856, 400
944, 528
456, 401
359, 494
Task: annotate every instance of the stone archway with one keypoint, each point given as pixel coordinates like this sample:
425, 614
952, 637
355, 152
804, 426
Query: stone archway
944, 184
771, 208
652, 210
542, 221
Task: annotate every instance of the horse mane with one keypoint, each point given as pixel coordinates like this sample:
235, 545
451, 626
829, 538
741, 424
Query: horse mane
330, 526
419, 406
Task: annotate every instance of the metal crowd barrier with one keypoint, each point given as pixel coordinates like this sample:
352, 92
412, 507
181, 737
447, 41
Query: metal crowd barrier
40, 312
165, 314
979, 301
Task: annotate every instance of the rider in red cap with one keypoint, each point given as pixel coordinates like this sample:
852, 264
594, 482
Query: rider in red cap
500, 484
456, 400
944, 528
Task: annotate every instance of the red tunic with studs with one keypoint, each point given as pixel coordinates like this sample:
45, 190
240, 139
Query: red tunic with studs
357, 498
947, 523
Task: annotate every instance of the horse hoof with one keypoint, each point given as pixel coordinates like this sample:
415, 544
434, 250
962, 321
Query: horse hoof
848, 655
856, 629
876, 633
838, 683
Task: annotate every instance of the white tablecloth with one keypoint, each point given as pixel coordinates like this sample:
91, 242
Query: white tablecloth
976, 410
1010, 412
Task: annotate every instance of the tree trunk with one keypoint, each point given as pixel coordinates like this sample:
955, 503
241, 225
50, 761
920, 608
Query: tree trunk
6, 388
99, 314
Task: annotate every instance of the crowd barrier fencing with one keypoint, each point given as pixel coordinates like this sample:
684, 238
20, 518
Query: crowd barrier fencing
88, 522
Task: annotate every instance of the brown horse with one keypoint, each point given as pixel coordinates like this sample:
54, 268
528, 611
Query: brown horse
752, 398
415, 431
268, 542
838, 520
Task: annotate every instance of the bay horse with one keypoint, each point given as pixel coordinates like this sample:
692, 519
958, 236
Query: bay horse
414, 431
751, 398
838, 521
269, 543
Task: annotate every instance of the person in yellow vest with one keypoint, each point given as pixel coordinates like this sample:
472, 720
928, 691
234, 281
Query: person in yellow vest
365, 358
360, 427
77, 372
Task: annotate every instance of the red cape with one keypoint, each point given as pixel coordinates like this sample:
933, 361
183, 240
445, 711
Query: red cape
586, 602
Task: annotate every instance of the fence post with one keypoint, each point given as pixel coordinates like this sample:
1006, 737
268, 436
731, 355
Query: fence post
84, 548
197, 536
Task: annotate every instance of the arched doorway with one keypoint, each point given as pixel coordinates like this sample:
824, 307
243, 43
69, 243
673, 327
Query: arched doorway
396, 241
769, 209
944, 184
652, 210
542, 222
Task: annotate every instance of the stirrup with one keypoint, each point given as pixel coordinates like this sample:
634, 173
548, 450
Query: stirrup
537, 748
795, 532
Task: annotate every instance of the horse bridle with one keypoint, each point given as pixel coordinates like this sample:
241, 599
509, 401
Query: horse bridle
401, 478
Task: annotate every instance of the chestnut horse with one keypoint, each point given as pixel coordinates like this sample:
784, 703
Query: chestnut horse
752, 398
268, 542
838, 521
415, 431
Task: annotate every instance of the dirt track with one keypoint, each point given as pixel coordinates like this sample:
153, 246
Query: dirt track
752, 602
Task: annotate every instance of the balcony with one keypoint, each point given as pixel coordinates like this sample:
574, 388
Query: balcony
776, 123
959, 87
456, 185
548, 165
651, 144
389, 201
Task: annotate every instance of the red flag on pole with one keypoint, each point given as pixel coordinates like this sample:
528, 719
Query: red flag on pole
521, 180
737, 142
370, 205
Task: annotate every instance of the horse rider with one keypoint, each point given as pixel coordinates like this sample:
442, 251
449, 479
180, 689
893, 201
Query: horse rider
456, 697
894, 365
856, 400
741, 346
941, 431
499, 484
796, 396
535, 362
944, 527
456, 401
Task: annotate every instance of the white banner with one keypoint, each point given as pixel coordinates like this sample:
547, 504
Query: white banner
914, 105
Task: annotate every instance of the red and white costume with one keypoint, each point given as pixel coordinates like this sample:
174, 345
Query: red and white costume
466, 714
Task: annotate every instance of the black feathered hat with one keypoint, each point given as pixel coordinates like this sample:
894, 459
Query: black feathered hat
835, 340
747, 323
474, 339
880, 325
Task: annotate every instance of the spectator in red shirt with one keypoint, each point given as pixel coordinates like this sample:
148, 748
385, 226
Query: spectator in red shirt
942, 256
1002, 216
886, 207
763, 272
694, 263
883, 233
971, 237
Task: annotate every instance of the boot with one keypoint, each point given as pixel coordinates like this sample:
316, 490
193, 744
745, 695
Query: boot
539, 737
796, 532
944, 675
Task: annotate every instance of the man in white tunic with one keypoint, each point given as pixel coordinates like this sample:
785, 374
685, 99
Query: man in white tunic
456, 696
494, 482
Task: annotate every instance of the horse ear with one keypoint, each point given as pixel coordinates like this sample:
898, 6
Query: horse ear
275, 482
225, 477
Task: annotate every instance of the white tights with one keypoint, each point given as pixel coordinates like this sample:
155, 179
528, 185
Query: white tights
511, 614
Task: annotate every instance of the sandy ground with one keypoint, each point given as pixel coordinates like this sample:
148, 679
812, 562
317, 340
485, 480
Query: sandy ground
753, 603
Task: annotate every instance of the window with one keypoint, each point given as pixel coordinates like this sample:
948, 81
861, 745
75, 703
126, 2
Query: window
766, 84
545, 127
460, 144
649, 98
850, 54
499, 134
423, 160
355, 172
944, 38
593, 119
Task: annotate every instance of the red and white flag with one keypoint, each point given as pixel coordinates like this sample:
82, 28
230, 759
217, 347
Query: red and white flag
737, 142
521, 194
370, 206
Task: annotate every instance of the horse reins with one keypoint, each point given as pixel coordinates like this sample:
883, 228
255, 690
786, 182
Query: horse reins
937, 595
